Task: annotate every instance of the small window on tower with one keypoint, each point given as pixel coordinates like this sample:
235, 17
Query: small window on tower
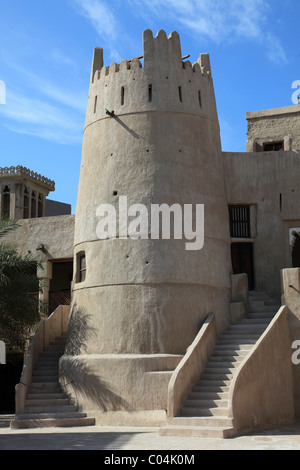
150, 93
81, 267
95, 104
199, 98
180, 94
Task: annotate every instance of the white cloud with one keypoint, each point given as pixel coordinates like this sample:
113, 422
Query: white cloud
220, 20
106, 23
76, 99
37, 118
275, 51
100, 15
42, 109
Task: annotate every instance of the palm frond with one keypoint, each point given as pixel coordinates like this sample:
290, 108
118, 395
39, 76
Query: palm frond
19, 288
7, 225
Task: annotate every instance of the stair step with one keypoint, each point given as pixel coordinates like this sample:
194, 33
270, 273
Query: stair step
196, 431
261, 315
46, 402
208, 395
47, 371
225, 353
60, 422
205, 403
50, 409
199, 411
214, 421
219, 376
215, 365
219, 370
31, 396
57, 415
256, 321
238, 339
227, 346
247, 329
38, 387
219, 359
261, 305
214, 382
201, 387
46, 366
44, 379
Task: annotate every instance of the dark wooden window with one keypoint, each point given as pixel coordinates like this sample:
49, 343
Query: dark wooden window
26, 204
40, 206
33, 205
274, 146
239, 217
6, 202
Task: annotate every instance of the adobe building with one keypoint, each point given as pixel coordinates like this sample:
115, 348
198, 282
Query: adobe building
46, 229
263, 182
146, 314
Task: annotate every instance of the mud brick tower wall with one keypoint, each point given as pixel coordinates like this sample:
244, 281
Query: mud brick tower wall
151, 134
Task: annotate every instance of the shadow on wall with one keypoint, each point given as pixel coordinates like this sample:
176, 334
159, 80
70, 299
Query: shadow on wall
83, 385
79, 332
81, 378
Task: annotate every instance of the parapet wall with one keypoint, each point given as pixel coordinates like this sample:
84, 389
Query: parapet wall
163, 81
273, 125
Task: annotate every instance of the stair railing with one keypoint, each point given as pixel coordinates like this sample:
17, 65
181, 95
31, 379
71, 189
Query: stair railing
191, 366
49, 328
261, 392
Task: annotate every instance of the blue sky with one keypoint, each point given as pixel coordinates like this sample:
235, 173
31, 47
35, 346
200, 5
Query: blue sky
46, 49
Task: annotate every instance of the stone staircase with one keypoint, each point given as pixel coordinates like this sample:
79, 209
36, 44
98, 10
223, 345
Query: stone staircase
205, 412
46, 404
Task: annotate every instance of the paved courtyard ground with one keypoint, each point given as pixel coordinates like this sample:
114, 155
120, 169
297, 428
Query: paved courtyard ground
129, 438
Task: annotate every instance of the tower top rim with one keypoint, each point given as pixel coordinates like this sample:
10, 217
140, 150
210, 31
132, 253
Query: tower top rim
158, 49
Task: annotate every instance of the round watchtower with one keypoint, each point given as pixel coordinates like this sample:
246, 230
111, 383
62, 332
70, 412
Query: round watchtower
151, 135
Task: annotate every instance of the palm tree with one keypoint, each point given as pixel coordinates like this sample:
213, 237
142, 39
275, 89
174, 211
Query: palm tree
19, 284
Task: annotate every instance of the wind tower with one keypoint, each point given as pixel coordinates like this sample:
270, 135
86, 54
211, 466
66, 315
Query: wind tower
151, 134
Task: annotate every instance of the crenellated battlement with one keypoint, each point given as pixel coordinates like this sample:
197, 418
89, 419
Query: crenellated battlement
160, 79
157, 51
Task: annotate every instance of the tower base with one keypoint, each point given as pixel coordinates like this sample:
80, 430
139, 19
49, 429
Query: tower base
120, 389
